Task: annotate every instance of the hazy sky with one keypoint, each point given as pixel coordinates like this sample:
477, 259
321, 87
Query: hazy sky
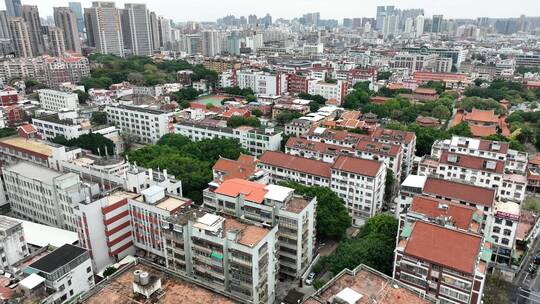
210, 10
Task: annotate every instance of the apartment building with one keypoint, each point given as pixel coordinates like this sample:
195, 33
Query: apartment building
271, 205
390, 155
67, 272
299, 126
57, 100
336, 91
256, 141
231, 256
13, 247
63, 123
262, 83
145, 124
105, 229
45, 196
15, 149
360, 183
480, 171
407, 141
104, 28
443, 263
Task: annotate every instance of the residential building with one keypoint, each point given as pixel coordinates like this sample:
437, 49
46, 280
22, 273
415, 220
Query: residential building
57, 100
299, 126
78, 11
407, 141
67, 272
13, 247
104, 28
457, 54
56, 45
262, 83
145, 124
8, 96
20, 35
364, 282
271, 205
136, 29
443, 263
210, 43
336, 91
66, 19
13, 8
228, 255
65, 124
256, 141
45, 196
30, 14
46, 154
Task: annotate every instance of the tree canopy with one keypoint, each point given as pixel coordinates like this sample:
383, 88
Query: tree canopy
237, 121
332, 217
5, 132
191, 162
95, 142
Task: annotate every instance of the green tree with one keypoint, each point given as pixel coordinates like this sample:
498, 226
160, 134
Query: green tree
461, 129
332, 217
384, 75
256, 112
95, 142
441, 112
99, 118
83, 96
496, 290
109, 271
287, 116
251, 98
389, 185
373, 246
6, 132
237, 121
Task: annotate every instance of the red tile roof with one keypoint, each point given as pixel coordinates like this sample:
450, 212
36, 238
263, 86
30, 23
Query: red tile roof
461, 215
472, 162
443, 246
296, 163
242, 168
396, 135
482, 116
28, 128
459, 191
378, 148
487, 145
252, 191
315, 146
483, 131
357, 165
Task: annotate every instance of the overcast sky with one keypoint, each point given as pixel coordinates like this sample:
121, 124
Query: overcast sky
210, 10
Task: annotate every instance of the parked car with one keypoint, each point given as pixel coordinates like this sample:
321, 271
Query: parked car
310, 278
537, 259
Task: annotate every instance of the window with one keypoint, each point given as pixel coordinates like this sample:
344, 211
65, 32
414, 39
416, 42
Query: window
89, 269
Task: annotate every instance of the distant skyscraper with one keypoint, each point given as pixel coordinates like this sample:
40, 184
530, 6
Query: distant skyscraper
436, 23
154, 29
252, 20
104, 28
165, 31
78, 11
409, 23
381, 13
137, 29
4, 28
57, 45
18, 31
13, 8
347, 22
390, 25
66, 19
30, 14
210, 43
419, 26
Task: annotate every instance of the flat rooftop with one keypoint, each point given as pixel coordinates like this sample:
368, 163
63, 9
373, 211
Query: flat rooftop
28, 145
42, 235
34, 171
168, 203
58, 258
119, 290
373, 287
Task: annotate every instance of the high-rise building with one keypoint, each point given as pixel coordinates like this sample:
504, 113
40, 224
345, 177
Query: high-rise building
436, 24
136, 29
18, 32
390, 25
165, 35
408, 25
104, 28
210, 43
78, 11
155, 31
66, 19
4, 29
30, 14
57, 43
252, 19
13, 8
419, 25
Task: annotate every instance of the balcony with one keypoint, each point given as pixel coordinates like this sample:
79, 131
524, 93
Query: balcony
243, 262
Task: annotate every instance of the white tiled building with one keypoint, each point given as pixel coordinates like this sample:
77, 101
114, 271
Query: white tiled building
256, 141
145, 124
13, 247
336, 91
57, 100
262, 83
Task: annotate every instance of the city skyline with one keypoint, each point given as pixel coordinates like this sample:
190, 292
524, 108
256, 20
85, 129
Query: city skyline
290, 10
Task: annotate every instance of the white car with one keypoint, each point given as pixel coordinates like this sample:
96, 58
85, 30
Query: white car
309, 279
